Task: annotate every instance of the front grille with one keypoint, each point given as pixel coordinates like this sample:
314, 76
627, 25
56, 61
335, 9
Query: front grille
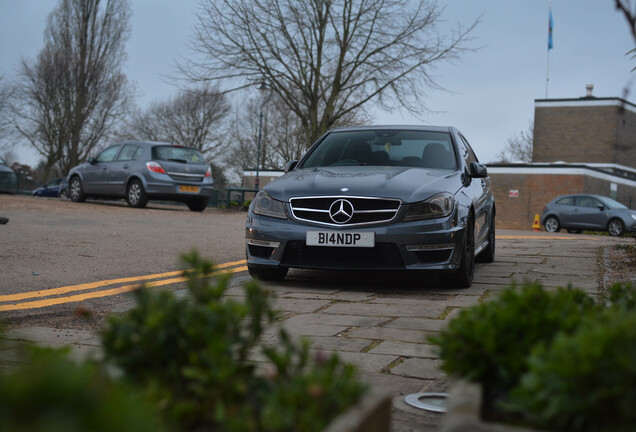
383, 256
365, 210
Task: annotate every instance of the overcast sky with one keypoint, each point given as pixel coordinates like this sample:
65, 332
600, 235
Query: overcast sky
490, 93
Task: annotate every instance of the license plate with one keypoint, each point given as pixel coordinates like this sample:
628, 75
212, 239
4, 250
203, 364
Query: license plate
185, 188
341, 238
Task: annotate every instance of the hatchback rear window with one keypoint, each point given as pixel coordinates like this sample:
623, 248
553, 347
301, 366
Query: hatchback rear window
177, 154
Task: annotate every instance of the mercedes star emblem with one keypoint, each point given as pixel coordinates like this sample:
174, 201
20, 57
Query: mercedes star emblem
341, 211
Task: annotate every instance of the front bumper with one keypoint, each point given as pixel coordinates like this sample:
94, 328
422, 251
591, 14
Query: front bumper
422, 245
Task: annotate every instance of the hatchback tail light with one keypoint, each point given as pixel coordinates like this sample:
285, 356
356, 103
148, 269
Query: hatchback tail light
155, 167
208, 173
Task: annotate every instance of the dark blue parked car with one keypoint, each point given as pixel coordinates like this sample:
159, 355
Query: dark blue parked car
52, 188
8, 179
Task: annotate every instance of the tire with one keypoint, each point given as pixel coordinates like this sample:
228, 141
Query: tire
76, 190
574, 231
488, 254
197, 205
268, 274
552, 224
463, 276
616, 227
63, 194
135, 195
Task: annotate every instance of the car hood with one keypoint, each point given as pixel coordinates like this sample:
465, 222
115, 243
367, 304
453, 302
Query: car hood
406, 184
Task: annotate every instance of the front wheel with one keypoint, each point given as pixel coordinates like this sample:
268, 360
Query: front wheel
268, 274
76, 191
552, 224
135, 195
488, 254
197, 205
463, 277
616, 227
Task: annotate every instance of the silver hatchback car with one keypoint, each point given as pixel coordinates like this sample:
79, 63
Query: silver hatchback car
376, 198
140, 171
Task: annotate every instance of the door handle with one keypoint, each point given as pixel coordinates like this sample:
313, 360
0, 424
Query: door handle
126, 166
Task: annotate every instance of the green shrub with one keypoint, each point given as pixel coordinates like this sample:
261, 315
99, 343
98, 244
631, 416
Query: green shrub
490, 343
50, 393
585, 381
192, 355
623, 296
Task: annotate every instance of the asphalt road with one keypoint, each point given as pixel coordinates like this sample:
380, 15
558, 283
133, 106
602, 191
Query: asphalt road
51, 243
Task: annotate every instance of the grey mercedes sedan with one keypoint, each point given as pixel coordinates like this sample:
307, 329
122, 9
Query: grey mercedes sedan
378, 198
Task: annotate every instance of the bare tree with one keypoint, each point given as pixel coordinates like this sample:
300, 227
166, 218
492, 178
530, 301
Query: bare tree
518, 147
282, 137
72, 95
327, 59
192, 118
5, 95
625, 6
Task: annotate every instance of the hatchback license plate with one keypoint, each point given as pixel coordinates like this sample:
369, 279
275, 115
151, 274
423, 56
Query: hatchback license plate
341, 238
185, 188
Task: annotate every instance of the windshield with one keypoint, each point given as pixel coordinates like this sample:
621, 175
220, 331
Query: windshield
406, 148
610, 203
177, 154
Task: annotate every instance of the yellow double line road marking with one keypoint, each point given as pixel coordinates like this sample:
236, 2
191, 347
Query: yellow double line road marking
56, 296
544, 237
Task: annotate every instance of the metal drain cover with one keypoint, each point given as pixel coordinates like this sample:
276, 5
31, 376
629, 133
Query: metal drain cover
435, 402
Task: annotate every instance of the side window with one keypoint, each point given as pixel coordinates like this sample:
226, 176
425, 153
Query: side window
129, 153
466, 151
566, 201
109, 154
584, 201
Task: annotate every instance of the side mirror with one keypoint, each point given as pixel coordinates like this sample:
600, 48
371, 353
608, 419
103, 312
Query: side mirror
478, 170
601, 207
91, 160
290, 165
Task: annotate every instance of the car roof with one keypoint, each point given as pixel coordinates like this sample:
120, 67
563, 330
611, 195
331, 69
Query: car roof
395, 127
580, 194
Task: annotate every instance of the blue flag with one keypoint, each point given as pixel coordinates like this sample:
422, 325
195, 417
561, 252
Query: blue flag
550, 27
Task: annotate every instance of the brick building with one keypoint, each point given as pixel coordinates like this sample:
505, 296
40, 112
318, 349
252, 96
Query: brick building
584, 145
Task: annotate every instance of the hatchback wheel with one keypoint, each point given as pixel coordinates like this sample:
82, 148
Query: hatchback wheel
76, 190
552, 224
135, 195
616, 227
268, 274
197, 205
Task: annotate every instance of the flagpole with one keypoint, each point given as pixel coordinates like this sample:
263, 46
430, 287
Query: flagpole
550, 26
547, 76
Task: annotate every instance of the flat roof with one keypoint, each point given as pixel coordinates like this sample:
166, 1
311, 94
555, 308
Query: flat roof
615, 173
585, 102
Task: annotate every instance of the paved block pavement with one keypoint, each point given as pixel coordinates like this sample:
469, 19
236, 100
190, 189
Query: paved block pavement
380, 322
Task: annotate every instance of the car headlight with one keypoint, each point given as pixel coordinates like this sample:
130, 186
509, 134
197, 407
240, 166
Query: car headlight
633, 216
265, 205
437, 206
